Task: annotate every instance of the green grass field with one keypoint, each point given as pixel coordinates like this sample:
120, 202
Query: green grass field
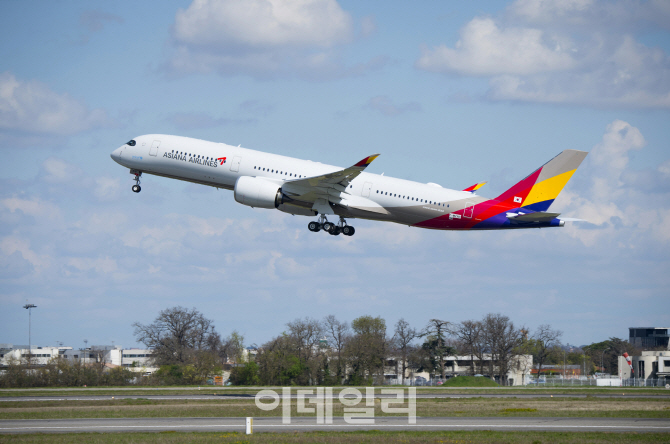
449, 407
111, 391
470, 381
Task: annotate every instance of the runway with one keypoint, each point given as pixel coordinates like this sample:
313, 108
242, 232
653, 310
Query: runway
274, 424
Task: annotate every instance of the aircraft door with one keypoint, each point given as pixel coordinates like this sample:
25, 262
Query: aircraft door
467, 212
367, 186
154, 148
235, 164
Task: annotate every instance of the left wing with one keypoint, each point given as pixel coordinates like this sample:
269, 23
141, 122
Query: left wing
327, 188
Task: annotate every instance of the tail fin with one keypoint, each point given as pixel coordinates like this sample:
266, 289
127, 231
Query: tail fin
538, 191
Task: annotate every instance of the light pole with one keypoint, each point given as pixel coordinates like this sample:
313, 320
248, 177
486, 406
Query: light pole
602, 356
29, 307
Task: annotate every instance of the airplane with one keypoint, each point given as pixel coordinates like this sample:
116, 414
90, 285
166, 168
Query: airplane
302, 187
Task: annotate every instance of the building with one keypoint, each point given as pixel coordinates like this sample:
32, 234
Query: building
135, 359
518, 373
648, 337
40, 355
650, 365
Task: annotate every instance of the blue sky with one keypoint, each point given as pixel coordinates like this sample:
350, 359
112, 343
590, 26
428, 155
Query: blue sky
447, 94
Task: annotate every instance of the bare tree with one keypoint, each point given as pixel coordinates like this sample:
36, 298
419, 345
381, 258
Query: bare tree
337, 334
436, 330
543, 343
470, 335
403, 337
175, 334
503, 341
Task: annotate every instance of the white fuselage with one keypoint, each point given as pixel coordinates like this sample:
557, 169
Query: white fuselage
220, 165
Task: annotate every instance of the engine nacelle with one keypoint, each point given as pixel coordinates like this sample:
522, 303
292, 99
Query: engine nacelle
257, 193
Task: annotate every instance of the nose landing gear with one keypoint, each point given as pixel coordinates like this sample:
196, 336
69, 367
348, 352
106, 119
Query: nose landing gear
136, 188
331, 228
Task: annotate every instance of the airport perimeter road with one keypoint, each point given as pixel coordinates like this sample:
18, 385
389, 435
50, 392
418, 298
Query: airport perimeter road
309, 424
223, 396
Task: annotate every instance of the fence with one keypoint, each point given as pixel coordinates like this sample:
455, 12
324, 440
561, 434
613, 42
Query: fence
591, 381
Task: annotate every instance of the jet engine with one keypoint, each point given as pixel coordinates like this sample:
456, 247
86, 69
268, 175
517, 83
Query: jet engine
258, 193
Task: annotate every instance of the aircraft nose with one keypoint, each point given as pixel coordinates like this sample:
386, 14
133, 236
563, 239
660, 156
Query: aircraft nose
116, 155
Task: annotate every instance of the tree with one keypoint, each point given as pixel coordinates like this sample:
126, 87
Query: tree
175, 335
366, 349
232, 348
435, 331
305, 335
503, 341
337, 334
609, 351
543, 343
278, 363
403, 337
470, 335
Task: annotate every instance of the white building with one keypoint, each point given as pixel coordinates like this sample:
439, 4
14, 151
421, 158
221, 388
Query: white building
135, 359
650, 365
518, 373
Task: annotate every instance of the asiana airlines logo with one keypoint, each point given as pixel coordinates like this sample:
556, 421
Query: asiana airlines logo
192, 158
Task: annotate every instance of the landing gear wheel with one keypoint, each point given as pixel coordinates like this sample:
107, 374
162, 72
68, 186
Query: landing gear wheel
314, 226
348, 230
137, 174
328, 226
335, 231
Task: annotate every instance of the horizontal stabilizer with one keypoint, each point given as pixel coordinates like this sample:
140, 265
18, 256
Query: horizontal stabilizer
475, 187
532, 217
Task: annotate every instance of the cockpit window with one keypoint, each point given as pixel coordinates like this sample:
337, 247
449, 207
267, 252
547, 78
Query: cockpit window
131, 143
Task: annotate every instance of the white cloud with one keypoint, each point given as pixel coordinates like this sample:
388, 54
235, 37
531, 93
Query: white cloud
107, 188
582, 52
259, 37
31, 207
619, 208
484, 49
57, 170
31, 107
10, 245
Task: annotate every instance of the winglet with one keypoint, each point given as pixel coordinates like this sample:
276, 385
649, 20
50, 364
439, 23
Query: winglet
367, 161
475, 187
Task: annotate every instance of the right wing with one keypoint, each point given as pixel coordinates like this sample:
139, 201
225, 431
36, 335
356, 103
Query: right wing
331, 188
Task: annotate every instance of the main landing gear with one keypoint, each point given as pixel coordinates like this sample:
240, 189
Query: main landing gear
331, 228
136, 188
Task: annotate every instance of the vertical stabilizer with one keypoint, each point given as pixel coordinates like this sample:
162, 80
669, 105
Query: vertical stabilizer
538, 191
